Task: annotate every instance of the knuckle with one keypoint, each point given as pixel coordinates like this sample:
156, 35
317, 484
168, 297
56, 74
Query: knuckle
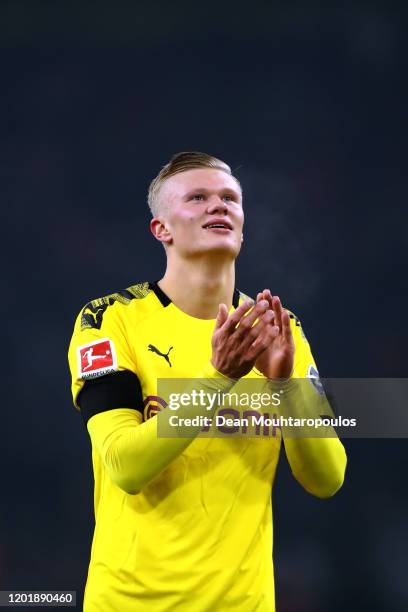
261, 343
266, 341
245, 323
234, 318
254, 333
262, 305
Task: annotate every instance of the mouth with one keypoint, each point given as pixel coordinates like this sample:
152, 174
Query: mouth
218, 226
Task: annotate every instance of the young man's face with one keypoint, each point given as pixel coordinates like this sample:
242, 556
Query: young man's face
195, 204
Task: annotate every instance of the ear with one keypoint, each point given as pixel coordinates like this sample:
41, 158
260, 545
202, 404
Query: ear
160, 231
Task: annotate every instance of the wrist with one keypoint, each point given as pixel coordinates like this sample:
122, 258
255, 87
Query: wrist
213, 372
278, 373
210, 372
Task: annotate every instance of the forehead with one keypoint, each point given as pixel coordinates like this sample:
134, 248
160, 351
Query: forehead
200, 178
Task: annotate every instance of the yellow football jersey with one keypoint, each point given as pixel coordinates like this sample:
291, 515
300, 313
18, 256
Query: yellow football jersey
199, 536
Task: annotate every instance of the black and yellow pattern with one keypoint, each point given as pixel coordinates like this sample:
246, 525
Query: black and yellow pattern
92, 314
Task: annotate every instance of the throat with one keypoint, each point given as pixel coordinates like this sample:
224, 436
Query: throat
198, 297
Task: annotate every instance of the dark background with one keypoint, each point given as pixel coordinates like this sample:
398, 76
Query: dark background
307, 102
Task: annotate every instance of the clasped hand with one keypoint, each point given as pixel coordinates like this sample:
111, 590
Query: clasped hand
255, 335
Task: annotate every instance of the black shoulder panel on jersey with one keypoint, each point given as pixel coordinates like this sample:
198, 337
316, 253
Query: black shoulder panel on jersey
235, 298
164, 299
118, 390
92, 314
125, 293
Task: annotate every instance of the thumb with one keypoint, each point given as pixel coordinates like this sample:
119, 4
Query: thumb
222, 316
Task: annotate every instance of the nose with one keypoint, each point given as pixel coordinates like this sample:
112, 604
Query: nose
216, 204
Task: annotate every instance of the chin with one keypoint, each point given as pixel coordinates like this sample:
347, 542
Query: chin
222, 250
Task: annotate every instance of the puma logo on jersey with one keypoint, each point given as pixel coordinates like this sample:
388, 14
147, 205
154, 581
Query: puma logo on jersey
88, 311
92, 316
152, 348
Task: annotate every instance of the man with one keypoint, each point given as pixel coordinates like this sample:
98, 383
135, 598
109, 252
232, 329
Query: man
185, 522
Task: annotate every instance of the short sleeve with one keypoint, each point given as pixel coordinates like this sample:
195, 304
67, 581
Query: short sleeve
98, 346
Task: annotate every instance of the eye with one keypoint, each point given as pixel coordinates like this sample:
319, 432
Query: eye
198, 197
228, 198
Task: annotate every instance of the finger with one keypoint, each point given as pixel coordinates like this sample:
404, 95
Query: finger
222, 316
286, 328
267, 334
257, 330
247, 321
264, 296
233, 320
262, 342
277, 308
268, 296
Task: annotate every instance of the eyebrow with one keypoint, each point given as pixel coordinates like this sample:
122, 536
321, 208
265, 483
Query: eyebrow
204, 190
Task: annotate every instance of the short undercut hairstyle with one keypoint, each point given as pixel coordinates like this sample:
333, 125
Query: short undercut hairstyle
181, 162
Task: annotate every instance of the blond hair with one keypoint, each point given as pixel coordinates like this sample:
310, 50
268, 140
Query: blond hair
181, 162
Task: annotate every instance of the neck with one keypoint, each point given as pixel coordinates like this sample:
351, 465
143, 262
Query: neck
198, 287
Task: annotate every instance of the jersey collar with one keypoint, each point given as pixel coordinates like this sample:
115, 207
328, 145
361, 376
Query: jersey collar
165, 300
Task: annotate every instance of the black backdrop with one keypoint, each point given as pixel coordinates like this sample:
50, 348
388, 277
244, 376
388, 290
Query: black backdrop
307, 104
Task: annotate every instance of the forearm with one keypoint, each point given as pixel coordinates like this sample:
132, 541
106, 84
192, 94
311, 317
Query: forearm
316, 456
318, 464
132, 452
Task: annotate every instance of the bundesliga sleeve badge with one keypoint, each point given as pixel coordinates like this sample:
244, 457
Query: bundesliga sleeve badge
313, 376
96, 359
